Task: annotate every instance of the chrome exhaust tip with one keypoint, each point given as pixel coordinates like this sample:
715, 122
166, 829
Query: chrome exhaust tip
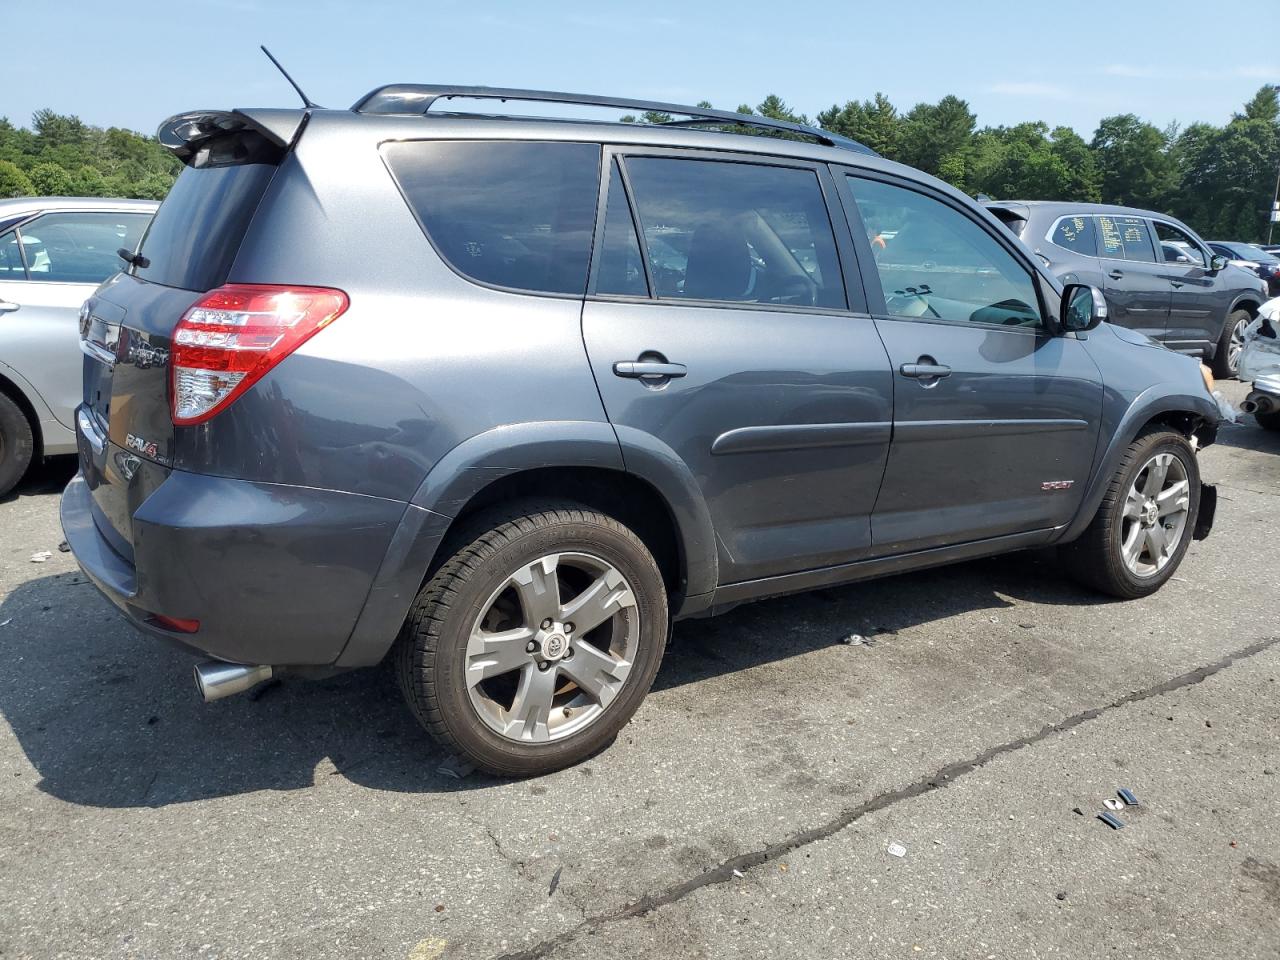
1248, 406
216, 679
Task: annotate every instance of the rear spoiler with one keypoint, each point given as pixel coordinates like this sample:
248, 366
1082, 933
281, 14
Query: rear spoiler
1012, 215
187, 134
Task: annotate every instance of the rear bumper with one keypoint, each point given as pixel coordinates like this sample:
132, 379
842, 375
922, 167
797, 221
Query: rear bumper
274, 574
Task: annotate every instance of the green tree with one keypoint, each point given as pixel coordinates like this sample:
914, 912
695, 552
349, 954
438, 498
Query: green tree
775, 108
50, 180
1134, 165
873, 122
13, 182
938, 138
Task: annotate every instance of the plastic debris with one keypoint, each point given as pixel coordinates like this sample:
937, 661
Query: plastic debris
1127, 796
896, 850
1111, 820
1225, 408
1111, 803
739, 874
64, 547
41, 556
854, 639
555, 880
455, 768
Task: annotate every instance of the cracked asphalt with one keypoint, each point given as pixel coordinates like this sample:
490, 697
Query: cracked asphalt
747, 810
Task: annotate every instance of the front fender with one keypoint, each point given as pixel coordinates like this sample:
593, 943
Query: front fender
1157, 400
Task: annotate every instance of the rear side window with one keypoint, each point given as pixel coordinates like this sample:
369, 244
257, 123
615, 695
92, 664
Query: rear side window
197, 230
1076, 234
510, 214
1125, 238
736, 232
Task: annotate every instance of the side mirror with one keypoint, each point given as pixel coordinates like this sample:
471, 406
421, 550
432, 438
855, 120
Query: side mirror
1217, 262
1083, 308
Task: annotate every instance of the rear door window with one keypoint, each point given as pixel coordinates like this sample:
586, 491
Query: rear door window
1125, 238
621, 270
1075, 234
198, 229
506, 213
70, 247
736, 232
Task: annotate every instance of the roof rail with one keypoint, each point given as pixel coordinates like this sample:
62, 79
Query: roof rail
418, 98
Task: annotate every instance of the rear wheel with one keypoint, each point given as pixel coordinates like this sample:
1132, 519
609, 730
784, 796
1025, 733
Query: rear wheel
1226, 362
17, 444
536, 641
1146, 519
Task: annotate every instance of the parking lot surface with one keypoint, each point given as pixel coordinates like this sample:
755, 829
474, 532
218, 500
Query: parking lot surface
747, 811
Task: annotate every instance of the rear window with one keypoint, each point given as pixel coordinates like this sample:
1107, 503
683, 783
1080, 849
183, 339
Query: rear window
1076, 234
509, 214
197, 231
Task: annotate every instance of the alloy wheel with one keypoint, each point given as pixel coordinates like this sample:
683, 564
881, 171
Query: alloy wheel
552, 647
1155, 515
1235, 345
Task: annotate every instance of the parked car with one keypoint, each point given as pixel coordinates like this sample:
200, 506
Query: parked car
53, 252
1253, 258
502, 398
1159, 277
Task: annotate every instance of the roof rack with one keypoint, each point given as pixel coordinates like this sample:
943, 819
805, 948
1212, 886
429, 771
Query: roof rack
418, 98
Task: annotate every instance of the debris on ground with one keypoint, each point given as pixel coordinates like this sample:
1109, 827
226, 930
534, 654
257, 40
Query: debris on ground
858, 640
1061, 894
41, 556
64, 547
455, 768
555, 880
739, 874
1127, 796
896, 850
1111, 803
1111, 820
1077, 811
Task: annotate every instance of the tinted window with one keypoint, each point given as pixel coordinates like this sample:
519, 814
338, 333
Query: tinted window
197, 230
1178, 247
621, 263
736, 232
935, 262
1125, 238
72, 247
1076, 234
511, 214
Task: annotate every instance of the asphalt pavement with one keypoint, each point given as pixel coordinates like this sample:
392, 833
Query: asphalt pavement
748, 810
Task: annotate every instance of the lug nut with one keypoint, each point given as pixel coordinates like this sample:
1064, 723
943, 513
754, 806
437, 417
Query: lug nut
568, 628
568, 711
544, 665
568, 654
531, 647
546, 624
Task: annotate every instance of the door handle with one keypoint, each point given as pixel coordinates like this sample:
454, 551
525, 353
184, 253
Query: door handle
925, 371
7, 307
1116, 274
647, 369
1176, 283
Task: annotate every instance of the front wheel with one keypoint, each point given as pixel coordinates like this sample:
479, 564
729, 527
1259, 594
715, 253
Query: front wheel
17, 444
1146, 520
533, 645
1226, 362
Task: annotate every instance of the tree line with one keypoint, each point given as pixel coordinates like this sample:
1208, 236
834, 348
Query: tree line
1219, 179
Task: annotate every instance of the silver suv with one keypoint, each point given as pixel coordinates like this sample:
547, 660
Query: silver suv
53, 252
502, 398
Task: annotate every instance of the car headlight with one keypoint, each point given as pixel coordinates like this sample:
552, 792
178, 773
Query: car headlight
1207, 375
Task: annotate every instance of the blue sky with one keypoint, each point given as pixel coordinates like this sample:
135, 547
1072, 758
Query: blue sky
134, 63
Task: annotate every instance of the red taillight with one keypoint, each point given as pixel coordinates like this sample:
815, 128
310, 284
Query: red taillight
231, 337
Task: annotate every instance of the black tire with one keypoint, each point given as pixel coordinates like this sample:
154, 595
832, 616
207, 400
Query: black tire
17, 444
1222, 365
430, 654
1268, 421
1095, 558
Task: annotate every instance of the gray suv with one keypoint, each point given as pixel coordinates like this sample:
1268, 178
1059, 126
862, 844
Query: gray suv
501, 398
1159, 277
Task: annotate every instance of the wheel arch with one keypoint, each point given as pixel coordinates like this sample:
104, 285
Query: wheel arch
13, 390
637, 479
1194, 416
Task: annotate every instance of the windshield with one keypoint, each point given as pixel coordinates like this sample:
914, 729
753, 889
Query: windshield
1247, 251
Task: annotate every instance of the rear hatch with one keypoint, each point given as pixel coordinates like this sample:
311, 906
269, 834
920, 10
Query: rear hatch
126, 431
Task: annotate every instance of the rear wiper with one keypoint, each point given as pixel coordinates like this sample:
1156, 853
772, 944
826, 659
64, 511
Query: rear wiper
133, 259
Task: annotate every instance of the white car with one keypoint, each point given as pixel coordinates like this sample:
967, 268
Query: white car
54, 251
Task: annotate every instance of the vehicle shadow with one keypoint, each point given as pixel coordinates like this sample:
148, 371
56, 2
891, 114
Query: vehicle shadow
44, 478
1248, 435
109, 718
